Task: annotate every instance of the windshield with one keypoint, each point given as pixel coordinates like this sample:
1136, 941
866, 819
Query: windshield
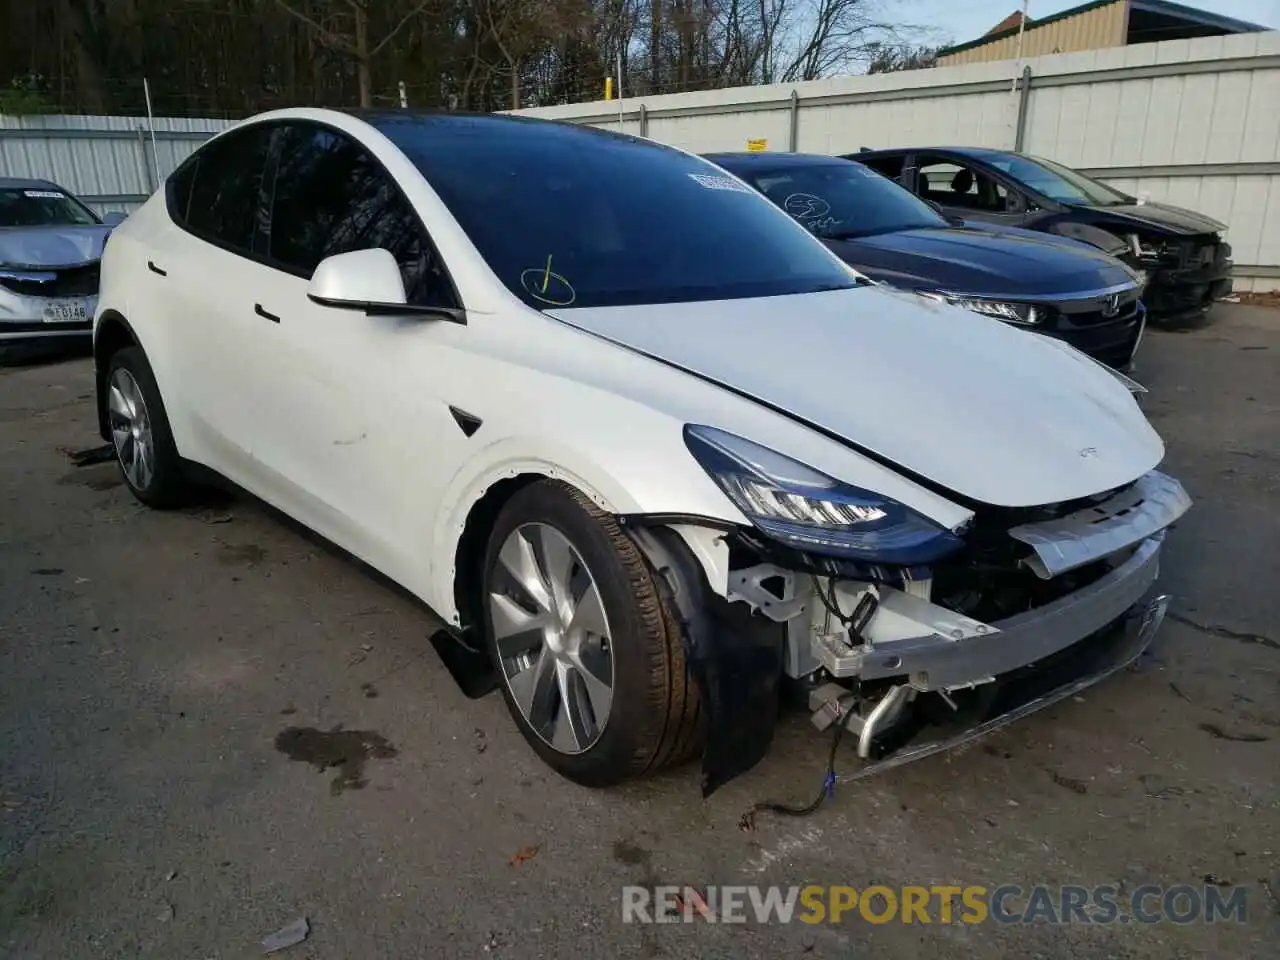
576, 217
41, 207
1058, 182
838, 201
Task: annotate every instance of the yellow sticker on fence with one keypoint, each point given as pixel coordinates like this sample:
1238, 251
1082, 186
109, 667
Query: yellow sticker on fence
757, 146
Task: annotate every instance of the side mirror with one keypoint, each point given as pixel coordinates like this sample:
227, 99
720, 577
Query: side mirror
114, 219
369, 280
1015, 203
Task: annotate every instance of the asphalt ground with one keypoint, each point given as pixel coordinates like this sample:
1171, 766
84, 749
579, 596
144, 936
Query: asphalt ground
152, 666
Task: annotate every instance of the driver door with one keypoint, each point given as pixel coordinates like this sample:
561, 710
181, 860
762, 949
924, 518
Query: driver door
350, 419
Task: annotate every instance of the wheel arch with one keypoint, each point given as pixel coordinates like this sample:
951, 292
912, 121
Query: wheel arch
463, 531
111, 334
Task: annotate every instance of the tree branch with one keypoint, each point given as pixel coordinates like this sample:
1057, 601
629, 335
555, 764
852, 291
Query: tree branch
398, 27
327, 37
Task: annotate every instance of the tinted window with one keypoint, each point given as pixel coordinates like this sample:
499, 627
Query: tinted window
331, 196
41, 206
955, 184
890, 167
225, 203
839, 201
178, 189
571, 216
1058, 182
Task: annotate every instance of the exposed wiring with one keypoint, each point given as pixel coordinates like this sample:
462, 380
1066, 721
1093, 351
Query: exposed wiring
862, 613
828, 789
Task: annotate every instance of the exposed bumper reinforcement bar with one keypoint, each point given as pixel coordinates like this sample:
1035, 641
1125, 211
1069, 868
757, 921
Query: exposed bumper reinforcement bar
1116, 650
936, 662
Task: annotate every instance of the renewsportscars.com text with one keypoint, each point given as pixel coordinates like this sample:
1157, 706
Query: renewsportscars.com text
938, 903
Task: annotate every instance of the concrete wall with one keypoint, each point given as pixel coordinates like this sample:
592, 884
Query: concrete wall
1093, 29
1190, 122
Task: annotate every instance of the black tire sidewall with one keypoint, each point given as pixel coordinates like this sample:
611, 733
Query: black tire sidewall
623, 749
167, 484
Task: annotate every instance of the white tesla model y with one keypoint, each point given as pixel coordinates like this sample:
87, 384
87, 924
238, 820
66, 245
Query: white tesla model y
652, 454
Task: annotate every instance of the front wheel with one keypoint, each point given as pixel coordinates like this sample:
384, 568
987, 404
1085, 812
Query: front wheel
591, 662
140, 434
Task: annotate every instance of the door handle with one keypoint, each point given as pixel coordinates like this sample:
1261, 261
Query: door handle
257, 308
151, 265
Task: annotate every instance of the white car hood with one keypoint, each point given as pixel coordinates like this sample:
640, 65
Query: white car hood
52, 246
996, 414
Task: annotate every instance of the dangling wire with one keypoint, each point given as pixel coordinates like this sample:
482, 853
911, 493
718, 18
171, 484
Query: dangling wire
828, 789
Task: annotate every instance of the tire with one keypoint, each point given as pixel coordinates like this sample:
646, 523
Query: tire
653, 716
139, 425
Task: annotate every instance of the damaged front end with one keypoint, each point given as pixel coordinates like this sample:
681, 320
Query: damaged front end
1036, 605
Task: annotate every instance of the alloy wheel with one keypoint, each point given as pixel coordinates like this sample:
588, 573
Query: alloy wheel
131, 429
553, 638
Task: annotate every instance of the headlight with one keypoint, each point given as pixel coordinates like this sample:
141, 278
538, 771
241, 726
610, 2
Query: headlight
1023, 313
808, 510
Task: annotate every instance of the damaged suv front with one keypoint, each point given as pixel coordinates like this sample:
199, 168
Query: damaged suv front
919, 637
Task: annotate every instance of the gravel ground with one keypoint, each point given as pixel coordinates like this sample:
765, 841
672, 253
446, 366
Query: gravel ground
149, 663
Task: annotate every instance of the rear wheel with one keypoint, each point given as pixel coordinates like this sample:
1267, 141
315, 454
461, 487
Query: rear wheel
591, 664
140, 434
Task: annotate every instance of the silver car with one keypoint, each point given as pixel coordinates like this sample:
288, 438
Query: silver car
50, 246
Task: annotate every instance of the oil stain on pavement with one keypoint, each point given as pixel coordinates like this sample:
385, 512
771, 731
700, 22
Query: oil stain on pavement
346, 750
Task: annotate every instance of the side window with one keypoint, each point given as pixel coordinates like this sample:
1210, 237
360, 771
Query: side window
890, 167
178, 190
223, 200
959, 185
330, 196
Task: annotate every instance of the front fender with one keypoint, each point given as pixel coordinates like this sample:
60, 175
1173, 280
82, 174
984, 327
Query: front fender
645, 486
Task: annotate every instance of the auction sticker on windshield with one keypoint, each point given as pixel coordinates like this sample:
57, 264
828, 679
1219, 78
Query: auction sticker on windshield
720, 183
72, 311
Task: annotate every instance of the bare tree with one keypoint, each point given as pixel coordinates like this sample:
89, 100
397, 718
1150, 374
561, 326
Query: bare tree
348, 32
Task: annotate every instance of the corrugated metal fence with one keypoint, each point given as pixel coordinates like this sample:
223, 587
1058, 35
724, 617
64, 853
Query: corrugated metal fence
1191, 122
110, 162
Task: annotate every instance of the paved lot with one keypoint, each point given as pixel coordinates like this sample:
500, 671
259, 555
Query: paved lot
149, 661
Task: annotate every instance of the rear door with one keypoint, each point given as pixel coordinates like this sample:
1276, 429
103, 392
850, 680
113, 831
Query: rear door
203, 272
342, 385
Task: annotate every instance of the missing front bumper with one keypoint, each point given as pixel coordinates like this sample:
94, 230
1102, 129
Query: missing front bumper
1011, 698
943, 660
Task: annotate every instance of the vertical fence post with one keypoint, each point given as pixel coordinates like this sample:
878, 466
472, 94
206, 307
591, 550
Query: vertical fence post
148, 175
1020, 130
793, 138
644, 121
404, 96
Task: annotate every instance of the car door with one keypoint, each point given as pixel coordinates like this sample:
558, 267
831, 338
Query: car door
349, 415
969, 190
202, 272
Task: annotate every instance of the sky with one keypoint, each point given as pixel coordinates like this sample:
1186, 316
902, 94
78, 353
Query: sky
962, 20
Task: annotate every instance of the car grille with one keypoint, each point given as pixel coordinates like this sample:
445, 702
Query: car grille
79, 281
1199, 252
1090, 313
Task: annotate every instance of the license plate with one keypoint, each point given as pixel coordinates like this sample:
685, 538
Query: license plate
73, 311
1208, 255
